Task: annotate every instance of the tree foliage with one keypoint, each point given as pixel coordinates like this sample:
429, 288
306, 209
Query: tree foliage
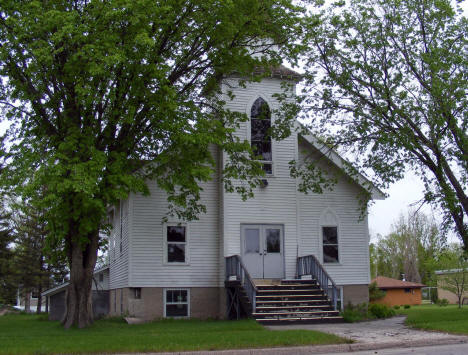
107, 95
413, 249
7, 282
387, 83
454, 277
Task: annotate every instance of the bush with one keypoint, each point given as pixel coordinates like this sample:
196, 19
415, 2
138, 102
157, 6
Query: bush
407, 306
396, 306
375, 293
356, 313
442, 302
381, 311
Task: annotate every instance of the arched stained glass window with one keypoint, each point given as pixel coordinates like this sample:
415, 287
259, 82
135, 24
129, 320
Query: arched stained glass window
260, 123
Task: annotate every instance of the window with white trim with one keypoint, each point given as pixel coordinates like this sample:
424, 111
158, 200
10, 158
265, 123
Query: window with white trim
330, 244
260, 139
176, 244
176, 303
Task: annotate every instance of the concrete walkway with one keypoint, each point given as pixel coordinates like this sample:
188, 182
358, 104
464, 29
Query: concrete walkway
386, 331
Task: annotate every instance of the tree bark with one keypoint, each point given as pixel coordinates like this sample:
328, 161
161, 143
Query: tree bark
82, 260
27, 302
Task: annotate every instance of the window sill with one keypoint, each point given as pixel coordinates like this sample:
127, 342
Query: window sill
167, 263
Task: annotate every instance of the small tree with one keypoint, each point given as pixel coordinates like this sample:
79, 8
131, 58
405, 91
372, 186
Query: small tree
455, 278
375, 293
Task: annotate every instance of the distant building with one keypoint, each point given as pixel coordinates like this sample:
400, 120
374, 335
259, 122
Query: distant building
398, 292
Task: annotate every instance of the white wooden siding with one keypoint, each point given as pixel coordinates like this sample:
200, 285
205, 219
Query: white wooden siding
118, 266
217, 233
353, 266
147, 260
274, 204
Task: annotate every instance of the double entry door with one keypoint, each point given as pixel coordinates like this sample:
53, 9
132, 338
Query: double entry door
262, 250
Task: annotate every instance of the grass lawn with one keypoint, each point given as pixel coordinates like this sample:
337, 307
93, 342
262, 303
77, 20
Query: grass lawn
31, 334
432, 317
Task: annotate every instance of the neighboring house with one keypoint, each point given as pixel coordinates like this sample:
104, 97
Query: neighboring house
190, 269
441, 282
56, 297
22, 297
398, 292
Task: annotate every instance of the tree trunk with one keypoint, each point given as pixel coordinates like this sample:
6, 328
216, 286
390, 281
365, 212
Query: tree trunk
39, 299
27, 302
82, 260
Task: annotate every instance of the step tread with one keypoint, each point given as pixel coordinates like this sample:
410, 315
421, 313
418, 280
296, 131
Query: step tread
298, 318
287, 307
287, 295
296, 301
296, 290
286, 313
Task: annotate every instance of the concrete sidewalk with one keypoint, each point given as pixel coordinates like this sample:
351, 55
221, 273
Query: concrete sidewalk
386, 331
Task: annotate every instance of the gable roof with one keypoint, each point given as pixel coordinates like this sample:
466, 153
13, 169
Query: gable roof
387, 283
341, 163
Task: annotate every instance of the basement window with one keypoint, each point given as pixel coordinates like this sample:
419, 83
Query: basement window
176, 303
136, 292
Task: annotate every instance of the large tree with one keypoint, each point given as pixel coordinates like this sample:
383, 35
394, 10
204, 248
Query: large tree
107, 94
387, 83
413, 248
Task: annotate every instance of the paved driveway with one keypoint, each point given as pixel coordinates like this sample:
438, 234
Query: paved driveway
388, 331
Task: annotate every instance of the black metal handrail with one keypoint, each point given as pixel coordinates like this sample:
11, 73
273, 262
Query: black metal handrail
236, 268
309, 265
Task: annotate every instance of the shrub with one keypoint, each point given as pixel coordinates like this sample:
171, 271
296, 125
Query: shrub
407, 306
375, 293
356, 313
381, 311
442, 302
396, 306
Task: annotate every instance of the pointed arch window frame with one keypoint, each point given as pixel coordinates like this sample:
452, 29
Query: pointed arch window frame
256, 121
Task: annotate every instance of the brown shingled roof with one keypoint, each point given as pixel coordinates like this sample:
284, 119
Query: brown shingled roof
387, 282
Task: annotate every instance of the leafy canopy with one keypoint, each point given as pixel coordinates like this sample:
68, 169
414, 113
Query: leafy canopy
387, 83
104, 95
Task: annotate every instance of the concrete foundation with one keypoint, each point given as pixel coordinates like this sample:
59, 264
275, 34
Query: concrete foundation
205, 302
355, 294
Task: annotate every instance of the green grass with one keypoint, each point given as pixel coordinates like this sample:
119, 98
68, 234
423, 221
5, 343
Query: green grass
31, 334
449, 319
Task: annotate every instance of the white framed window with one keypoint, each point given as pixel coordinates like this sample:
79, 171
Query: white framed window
176, 302
260, 139
330, 244
176, 244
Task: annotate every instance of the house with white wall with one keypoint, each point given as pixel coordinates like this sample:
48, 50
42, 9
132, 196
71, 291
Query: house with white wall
278, 250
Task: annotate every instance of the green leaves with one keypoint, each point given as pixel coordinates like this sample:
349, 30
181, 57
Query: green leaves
116, 93
388, 80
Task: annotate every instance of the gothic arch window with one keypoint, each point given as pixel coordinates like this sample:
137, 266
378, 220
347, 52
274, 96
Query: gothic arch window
260, 139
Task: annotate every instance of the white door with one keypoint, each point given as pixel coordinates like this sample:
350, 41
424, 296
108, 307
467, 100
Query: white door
262, 251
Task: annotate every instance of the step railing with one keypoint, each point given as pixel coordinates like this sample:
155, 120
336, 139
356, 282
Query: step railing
309, 265
236, 271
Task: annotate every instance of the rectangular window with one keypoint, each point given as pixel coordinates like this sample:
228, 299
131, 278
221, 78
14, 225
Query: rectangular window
176, 244
101, 277
407, 290
176, 303
330, 244
136, 293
